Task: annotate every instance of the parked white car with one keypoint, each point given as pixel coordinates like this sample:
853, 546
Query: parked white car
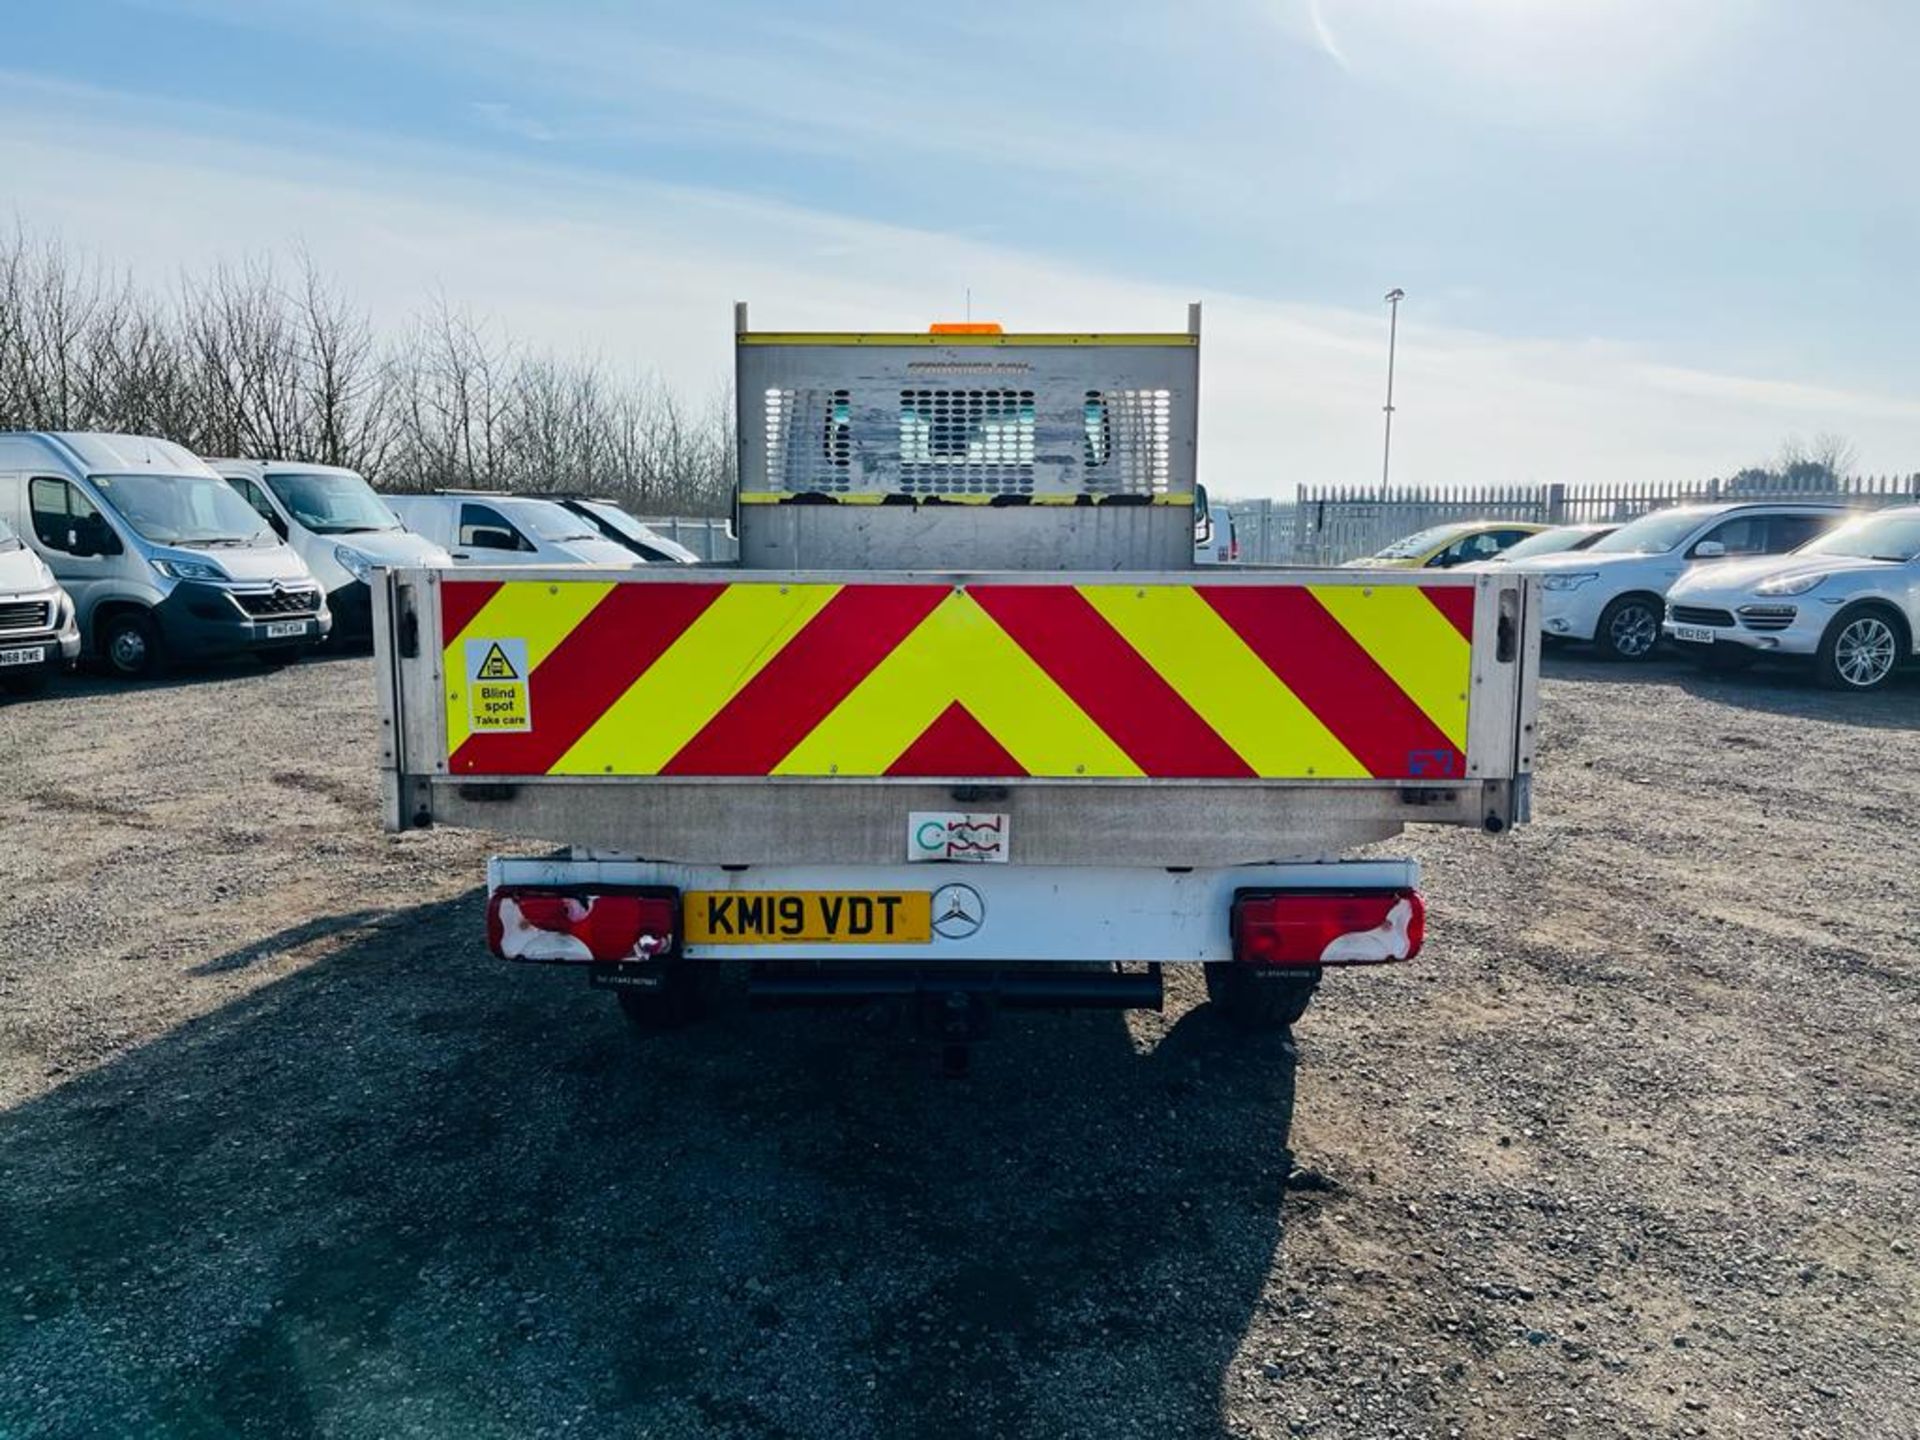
334, 522
1560, 540
1850, 600
1614, 592
488, 529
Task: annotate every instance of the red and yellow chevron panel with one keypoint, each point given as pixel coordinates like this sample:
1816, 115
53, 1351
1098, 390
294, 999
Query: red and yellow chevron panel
999, 680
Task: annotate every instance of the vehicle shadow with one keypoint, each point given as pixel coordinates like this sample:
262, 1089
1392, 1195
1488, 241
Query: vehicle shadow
87, 680
409, 1190
1775, 689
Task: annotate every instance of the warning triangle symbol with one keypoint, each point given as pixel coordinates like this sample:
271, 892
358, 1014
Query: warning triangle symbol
496, 666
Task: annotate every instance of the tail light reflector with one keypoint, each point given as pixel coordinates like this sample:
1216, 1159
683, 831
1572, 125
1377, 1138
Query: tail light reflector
533, 924
1350, 928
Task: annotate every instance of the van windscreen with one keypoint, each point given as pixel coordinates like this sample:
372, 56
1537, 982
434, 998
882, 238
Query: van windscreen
331, 503
551, 521
184, 509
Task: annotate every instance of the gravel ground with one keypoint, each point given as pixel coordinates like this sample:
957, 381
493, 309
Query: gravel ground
1630, 1150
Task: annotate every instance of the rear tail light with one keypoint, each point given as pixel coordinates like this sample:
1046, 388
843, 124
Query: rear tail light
564, 925
1349, 928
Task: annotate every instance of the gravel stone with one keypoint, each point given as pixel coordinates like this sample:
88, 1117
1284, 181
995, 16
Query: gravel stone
283, 1153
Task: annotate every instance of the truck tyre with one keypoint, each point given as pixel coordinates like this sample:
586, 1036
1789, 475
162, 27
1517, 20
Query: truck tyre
1253, 1001
130, 646
1629, 628
1861, 649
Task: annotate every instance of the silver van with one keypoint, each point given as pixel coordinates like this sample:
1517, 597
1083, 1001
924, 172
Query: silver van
163, 560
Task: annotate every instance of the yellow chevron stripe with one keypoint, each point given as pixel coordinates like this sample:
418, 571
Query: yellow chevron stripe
958, 653
541, 612
1229, 686
1413, 642
729, 644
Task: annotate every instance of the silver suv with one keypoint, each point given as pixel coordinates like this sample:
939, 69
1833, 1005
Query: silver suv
1849, 600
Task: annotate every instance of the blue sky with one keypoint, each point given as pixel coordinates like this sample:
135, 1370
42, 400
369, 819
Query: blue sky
1641, 239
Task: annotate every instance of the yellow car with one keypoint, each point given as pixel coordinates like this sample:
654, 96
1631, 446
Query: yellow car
1441, 548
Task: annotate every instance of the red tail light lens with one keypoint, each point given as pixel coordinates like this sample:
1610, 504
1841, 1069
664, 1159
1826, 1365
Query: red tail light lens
557, 925
1352, 928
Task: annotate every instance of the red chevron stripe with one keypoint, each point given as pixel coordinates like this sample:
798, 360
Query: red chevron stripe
814, 672
460, 601
1108, 678
1335, 678
596, 664
956, 744
1456, 603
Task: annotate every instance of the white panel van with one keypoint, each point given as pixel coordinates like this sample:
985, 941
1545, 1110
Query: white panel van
334, 521
487, 528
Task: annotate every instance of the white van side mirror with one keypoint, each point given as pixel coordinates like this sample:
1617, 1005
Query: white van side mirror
1709, 550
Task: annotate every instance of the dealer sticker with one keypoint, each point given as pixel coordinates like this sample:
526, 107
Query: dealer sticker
951, 835
497, 686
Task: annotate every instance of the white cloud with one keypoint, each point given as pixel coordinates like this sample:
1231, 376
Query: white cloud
1524, 62
498, 115
644, 274
1323, 33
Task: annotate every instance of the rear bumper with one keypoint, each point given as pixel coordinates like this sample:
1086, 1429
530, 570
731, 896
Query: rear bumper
933, 988
985, 916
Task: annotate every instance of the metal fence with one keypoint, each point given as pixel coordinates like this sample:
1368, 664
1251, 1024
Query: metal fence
1332, 524
1264, 528
709, 538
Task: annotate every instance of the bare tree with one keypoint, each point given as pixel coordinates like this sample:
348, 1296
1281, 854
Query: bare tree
51, 301
1833, 453
452, 398
344, 380
235, 362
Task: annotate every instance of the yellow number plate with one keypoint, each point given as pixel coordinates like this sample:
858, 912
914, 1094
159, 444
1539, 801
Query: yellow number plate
808, 917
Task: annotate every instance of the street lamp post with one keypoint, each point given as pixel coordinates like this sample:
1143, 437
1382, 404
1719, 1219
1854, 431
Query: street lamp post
1393, 298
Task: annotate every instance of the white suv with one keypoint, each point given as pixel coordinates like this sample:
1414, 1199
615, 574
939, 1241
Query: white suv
1613, 593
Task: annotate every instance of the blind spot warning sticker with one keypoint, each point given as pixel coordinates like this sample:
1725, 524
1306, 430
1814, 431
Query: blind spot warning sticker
497, 686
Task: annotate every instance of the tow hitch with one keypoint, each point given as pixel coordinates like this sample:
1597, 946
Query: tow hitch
953, 1006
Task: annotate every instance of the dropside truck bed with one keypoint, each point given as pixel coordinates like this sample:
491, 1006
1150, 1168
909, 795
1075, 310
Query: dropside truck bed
966, 726
1041, 773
